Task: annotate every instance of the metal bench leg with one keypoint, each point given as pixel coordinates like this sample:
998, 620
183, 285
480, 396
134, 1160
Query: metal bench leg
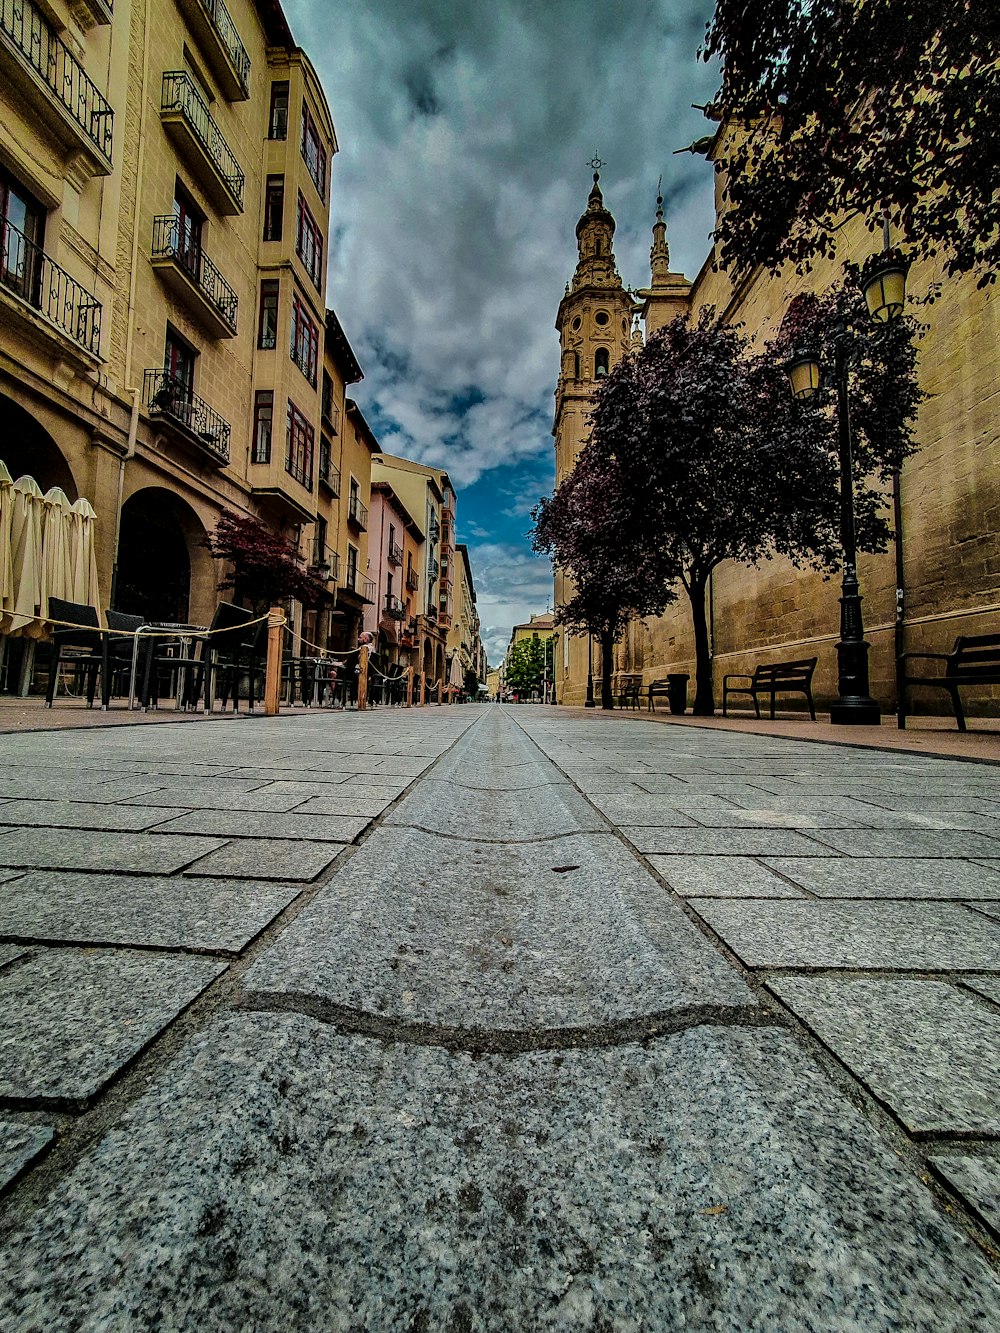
957, 705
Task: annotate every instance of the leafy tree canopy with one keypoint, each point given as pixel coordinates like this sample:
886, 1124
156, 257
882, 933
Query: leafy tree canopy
266, 567
526, 665
852, 107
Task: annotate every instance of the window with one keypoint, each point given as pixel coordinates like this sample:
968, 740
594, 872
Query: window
327, 397
267, 322
263, 416
274, 207
576, 365
352, 568
298, 447
278, 121
319, 543
600, 362
309, 243
304, 348
392, 539
178, 361
313, 152
188, 223
22, 220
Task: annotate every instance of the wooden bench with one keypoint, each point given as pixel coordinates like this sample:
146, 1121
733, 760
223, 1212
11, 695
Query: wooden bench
974, 660
773, 679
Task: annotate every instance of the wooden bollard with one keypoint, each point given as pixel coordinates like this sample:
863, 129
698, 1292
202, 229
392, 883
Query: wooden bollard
409, 688
423, 689
362, 680
272, 670
440, 690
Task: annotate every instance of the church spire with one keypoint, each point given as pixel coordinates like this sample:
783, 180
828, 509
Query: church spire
659, 255
595, 241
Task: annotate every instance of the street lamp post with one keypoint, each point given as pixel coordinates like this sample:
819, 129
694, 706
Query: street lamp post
884, 291
589, 701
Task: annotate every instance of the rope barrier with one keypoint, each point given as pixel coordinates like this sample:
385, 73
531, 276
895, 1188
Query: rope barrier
161, 631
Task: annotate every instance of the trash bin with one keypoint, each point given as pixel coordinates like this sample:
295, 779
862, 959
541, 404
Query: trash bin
677, 692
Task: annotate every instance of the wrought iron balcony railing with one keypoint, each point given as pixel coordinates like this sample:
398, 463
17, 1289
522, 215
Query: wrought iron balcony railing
409, 630
394, 607
433, 570
395, 554
412, 579
359, 583
37, 45
358, 513
328, 474
223, 24
180, 95
28, 272
330, 414
325, 562
168, 242
170, 398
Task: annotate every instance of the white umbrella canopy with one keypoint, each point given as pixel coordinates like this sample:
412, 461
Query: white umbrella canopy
456, 676
6, 564
24, 602
83, 555
57, 536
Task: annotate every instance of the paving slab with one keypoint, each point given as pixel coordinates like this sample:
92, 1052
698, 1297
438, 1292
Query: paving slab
988, 986
55, 786
82, 814
362, 789
990, 909
88, 849
511, 816
722, 877
886, 877
563, 933
864, 934
723, 842
10, 953
976, 1178
260, 859
262, 800
347, 803
655, 811
929, 1051
240, 824
21, 1141
911, 842
288, 1177
156, 911
70, 1019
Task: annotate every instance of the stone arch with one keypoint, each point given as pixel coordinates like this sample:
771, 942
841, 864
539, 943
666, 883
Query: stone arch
29, 448
439, 663
165, 571
427, 659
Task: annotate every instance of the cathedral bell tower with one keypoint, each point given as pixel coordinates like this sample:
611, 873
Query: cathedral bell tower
594, 326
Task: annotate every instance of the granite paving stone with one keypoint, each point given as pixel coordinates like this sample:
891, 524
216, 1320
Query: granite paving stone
514, 816
988, 986
885, 877
69, 1019
990, 909
723, 842
362, 789
910, 842
10, 953
156, 911
930, 1051
81, 814
261, 801
55, 786
89, 849
655, 811
470, 935
21, 1141
863, 934
289, 1177
976, 1178
240, 824
347, 803
257, 858
722, 877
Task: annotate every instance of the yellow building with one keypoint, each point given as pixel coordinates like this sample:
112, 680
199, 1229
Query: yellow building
463, 636
947, 543
165, 182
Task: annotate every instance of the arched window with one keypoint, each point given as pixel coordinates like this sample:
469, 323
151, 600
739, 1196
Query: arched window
597, 249
600, 362
576, 365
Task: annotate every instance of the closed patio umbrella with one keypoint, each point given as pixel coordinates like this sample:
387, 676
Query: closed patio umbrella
456, 676
83, 555
57, 536
6, 579
26, 559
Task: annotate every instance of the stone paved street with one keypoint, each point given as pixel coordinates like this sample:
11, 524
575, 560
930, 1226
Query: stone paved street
495, 1019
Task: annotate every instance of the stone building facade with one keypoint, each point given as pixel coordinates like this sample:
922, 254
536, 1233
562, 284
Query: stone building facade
947, 545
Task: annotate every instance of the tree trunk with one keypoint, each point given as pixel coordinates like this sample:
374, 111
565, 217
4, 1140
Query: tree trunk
704, 697
607, 666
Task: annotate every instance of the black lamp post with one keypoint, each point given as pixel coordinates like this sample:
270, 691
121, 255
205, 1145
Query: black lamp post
883, 286
589, 701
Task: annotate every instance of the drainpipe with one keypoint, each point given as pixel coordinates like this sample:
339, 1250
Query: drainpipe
133, 431
897, 523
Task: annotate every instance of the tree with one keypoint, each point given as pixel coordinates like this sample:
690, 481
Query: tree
526, 665
266, 568
588, 529
844, 107
471, 684
716, 461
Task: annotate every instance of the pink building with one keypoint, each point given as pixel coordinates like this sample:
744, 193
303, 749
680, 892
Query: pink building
394, 542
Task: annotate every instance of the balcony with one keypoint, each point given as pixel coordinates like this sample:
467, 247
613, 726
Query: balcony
329, 476
199, 140
433, 570
42, 288
187, 416
412, 579
357, 583
395, 555
409, 630
52, 82
330, 415
357, 514
194, 279
325, 563
394, 608
215, 30
92, 13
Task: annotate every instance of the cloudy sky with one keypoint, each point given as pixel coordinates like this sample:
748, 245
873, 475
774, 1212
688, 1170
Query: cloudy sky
466, 128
